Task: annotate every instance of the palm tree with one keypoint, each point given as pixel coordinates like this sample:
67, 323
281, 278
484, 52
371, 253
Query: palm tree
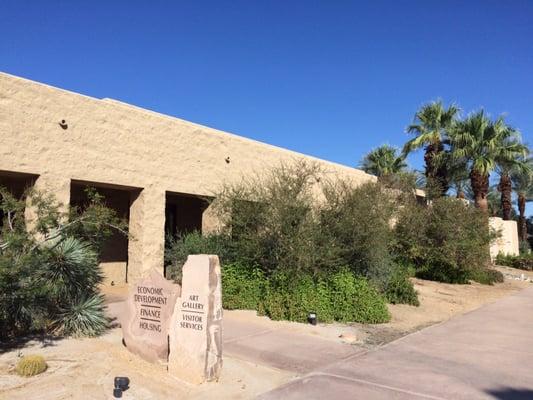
383, 162
512, 158
431, 125
523, 185
458, 176
482, 143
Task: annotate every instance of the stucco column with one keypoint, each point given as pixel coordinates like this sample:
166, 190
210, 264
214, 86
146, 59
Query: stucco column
147, 230
211, 222
58, 186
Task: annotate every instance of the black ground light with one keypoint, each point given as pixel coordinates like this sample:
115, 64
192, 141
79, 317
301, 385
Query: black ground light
122, 383
311, 318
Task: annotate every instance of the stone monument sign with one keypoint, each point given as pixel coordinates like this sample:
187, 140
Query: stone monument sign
149, 309
196, 327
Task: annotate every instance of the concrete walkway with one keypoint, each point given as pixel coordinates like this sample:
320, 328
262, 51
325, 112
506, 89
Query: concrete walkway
485, 354
269, 345
281, 348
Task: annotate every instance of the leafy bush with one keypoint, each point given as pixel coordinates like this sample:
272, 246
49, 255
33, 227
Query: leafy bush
31, 365
296, 220
355, 230
400, 289
341, 297
177, 250
293, 242
242, 287
270, 220
523, 261
445, 241
486, 276
354, 300
524, 247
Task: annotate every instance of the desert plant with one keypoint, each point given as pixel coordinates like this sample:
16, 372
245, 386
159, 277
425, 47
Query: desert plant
49, 277
82, 317
31, 365
444, 241
355, 228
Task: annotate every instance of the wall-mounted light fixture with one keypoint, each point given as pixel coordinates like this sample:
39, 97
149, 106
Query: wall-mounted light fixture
63, 124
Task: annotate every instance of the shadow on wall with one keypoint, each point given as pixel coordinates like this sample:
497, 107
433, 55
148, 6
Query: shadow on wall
511, 394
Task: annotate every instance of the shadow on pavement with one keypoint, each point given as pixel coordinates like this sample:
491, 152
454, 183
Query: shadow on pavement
511, 394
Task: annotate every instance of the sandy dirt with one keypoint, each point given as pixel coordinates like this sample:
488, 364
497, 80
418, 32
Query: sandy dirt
85, 368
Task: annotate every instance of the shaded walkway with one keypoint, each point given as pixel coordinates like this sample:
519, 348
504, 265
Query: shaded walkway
485, 354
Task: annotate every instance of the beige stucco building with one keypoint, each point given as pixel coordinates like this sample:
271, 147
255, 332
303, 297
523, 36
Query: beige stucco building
153, 169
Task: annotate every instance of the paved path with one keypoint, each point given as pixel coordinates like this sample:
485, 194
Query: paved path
272, 346
281, 348
485, 354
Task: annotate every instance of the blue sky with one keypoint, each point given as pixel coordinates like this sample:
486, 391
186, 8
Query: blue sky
328, 78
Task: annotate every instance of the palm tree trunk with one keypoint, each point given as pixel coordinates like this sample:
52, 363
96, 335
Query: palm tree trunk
506, 189
436, 174
522, 224
480, 187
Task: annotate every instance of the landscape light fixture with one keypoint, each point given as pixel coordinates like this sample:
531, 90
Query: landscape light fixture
122, 383
311, 318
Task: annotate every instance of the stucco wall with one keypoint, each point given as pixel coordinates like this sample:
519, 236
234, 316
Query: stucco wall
111, 142
508, 242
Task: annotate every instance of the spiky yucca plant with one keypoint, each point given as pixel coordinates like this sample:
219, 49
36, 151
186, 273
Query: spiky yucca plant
84, 317
72, 274
71, 269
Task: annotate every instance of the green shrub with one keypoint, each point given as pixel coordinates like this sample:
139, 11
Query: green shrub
354, 300
523, 261
444, 241
242, 287
400, 289
271, 222
524, 247
31, 365
356, 224
486, 276
341, 297
276, 223
177, 250
505, 259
